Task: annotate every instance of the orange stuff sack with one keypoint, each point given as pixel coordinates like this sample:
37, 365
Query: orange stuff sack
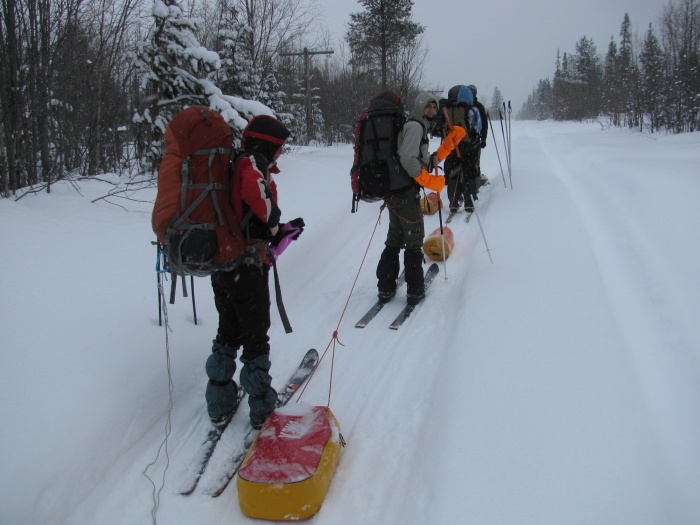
287, 470
432, 247
430, 203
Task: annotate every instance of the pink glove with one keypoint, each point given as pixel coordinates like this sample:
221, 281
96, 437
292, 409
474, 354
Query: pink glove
286, 234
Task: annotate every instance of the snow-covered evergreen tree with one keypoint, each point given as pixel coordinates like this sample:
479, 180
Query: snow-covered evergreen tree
652, 82
496, 101
176, 72
237, 74
272, 95
168, 61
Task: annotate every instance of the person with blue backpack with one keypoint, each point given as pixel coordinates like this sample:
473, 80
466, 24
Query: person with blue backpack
462, 165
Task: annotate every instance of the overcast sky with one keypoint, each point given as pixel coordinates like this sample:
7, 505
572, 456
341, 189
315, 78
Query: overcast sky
507, 44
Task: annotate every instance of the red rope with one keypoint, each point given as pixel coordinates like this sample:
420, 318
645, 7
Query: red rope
392, 210
334, 338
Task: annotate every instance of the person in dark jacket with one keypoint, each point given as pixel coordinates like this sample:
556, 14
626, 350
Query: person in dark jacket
406, 229
461, 168
484, 132
242, 295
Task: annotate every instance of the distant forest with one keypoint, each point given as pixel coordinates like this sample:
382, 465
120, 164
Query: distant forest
650, 83
87, 86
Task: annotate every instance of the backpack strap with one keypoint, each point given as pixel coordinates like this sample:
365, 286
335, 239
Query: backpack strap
278, 299
209, 188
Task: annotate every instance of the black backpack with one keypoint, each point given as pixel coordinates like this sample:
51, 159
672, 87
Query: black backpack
376, 159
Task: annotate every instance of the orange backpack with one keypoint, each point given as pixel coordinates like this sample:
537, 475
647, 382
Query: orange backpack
193, 216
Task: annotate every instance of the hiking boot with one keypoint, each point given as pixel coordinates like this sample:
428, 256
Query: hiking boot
222, 420
257, 423
384, 296
387, 272
469, 209
222, 401
261, 406
415, 281
414, 298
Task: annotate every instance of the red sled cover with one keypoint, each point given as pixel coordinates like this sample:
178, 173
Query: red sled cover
287, 470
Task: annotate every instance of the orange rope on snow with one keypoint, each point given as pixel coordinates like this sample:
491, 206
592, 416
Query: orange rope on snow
334, 338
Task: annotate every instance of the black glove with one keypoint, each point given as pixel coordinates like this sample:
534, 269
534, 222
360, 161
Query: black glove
483, 143
297, 223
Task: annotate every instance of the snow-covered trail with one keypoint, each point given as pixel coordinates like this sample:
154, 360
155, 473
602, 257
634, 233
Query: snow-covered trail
530, 417
636, 222
558, 384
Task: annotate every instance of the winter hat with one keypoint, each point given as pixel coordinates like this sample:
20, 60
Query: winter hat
422, 100
453, 92
264, 134
473, 88
465, 96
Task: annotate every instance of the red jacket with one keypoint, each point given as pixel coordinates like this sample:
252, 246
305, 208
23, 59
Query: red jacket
253, 189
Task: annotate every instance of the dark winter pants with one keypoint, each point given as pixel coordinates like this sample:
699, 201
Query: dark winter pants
462, 177
406, 230
242, 298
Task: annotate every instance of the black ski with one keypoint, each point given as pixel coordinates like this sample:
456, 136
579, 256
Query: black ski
372, 312
430, 274
300, 375
199, 463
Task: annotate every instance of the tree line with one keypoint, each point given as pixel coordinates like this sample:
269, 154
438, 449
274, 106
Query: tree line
653, 84
87, 86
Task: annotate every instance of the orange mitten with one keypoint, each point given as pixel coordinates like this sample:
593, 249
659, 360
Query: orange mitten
432, 182
444, 149
453, 138
457, 133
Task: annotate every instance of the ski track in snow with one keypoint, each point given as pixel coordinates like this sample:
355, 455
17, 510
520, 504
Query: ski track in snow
629, 225
557, 384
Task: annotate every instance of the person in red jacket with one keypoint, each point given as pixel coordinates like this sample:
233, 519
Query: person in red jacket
242, 295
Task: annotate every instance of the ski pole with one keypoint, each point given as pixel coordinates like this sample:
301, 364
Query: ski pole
442, 232
488, 250
506, 120
510, 156
459, 156
159, 283
194, 306
449, 126
498, 154
505, 143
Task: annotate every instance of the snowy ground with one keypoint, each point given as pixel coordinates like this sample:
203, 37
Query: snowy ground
559, 384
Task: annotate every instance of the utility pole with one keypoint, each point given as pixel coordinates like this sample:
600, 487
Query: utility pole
307, 76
